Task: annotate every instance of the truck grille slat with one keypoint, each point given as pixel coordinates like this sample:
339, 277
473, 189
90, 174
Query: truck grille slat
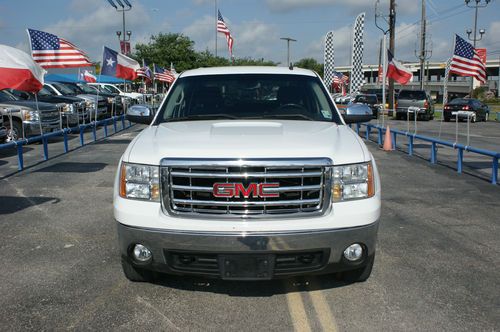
187, 189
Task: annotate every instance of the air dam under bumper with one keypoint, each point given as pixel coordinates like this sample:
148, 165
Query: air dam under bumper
223, 255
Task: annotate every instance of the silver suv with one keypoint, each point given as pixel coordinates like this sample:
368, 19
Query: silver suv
414, 102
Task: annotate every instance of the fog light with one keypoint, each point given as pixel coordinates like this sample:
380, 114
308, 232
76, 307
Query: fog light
141, 253
354, 252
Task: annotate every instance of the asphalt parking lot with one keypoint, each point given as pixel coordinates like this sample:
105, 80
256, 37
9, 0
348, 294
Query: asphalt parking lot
436, 266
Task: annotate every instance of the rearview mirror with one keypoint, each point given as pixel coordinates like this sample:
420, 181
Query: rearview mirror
355, 113
140, 114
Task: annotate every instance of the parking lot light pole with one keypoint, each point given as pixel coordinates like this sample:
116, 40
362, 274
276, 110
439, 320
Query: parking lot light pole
476, 4
121, 7
288, 40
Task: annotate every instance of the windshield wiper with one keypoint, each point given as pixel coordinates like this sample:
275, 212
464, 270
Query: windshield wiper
203, 117
294, 115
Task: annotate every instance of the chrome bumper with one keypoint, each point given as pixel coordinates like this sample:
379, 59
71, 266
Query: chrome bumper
330, 242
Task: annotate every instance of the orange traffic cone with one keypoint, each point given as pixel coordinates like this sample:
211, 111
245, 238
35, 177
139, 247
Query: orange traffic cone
387, 140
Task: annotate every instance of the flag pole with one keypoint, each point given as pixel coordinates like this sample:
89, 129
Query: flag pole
384, 73
216, 21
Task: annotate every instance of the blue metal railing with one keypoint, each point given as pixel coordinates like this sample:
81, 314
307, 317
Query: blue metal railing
495, 156
64, 133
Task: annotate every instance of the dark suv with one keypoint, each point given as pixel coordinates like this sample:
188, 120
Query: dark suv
370, 100
414, 102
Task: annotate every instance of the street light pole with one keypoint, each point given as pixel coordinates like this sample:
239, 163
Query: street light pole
478, 4
288, 40
126, 34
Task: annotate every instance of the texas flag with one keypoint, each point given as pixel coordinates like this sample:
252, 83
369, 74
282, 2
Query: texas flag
88, 77
397, 71
119, 65
19, 71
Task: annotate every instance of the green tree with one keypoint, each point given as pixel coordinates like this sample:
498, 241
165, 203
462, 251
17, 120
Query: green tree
166, 48
312, 64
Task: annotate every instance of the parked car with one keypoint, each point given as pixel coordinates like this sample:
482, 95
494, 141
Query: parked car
370, 100
125, 101
93, 102
466, 108
414, 102
114, 101
73, 109
229, 183
27, 117
138, 98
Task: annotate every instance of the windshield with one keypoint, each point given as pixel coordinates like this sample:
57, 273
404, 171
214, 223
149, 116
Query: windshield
6, 96
64, 89
366, 99
408, 94
87, 89
459, 101
248, 96
112, 89
45, 92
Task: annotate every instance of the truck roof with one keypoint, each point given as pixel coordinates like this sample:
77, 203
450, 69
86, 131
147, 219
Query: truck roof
247, 70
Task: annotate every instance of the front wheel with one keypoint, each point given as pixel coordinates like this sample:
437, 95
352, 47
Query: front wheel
361, 274
14, 133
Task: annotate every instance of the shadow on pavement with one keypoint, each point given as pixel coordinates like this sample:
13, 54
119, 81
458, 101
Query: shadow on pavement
68, 167
114, 141
12, 204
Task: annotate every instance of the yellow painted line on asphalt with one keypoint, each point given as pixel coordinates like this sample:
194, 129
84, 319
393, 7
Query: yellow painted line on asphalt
322, 309
321, 306
297, 310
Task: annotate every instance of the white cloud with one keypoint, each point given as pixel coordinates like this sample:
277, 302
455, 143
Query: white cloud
99, 26
403, 6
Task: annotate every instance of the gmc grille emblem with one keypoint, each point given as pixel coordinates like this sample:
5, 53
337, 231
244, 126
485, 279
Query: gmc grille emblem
228, 190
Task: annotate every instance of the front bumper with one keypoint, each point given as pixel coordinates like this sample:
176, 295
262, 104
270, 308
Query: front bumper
33, 128
204, 252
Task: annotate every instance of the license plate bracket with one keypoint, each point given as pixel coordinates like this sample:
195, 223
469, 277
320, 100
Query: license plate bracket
243, 266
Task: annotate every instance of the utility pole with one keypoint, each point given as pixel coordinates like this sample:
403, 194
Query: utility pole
392, 35
216, 23
424, 53
288, 40
384, 30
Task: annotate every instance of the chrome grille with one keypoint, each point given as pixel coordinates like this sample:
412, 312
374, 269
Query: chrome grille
303, 187
49, 116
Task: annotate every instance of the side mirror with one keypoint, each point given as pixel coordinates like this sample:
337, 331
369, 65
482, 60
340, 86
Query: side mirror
140, 114
355, 113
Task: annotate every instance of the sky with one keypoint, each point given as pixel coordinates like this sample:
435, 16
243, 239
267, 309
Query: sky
256, 25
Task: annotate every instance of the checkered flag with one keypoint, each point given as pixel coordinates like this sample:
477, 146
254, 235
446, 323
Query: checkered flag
357, 76
329, 60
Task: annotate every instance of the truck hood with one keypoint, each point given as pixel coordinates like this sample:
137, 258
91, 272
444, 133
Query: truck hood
247, 139
26, 104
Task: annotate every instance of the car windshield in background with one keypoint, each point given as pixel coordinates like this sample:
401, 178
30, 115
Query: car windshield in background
407, 94
6, 96
366, 99
112, 89
459, 101
87, 89
45, 92
248, 96
64, 89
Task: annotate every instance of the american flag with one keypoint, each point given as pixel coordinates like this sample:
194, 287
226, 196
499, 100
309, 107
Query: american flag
51, 51
466, 61
222, 27
145, 72
164, 75
338, 77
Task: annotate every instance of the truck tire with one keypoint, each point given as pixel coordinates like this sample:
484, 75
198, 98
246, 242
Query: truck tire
134, 274
446, 119
15, 133
361, 274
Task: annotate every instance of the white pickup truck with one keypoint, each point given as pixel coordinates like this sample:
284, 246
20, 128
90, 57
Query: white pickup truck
247, 173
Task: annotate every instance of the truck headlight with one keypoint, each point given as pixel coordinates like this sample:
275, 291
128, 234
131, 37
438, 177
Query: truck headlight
30, 115
67, 108
111, 100
139, 182
354, 181
90, 104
